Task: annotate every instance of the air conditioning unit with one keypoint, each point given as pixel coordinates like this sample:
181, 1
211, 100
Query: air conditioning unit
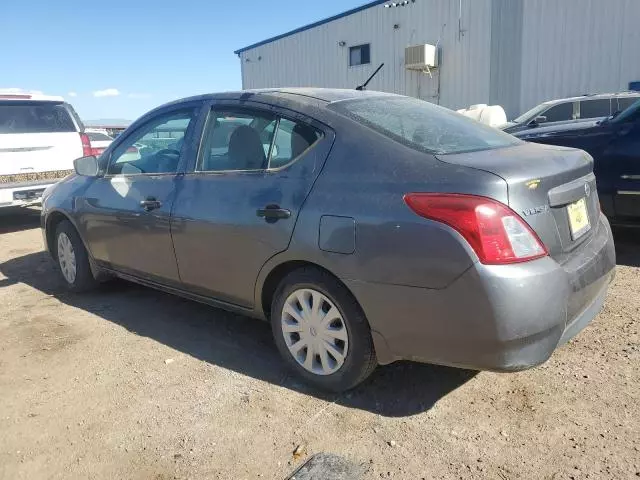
421, 57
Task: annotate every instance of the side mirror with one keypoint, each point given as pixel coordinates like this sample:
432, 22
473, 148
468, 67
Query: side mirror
539, 119
86, 166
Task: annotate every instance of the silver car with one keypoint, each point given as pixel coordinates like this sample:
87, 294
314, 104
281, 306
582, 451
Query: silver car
366, 227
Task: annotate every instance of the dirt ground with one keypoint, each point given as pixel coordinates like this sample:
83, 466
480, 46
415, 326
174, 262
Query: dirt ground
128, 382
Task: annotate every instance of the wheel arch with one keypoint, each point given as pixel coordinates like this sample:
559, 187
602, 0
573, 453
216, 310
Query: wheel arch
275, 275
52, 221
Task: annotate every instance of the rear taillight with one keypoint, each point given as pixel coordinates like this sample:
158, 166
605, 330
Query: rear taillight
496, 233
86, 145
132, 150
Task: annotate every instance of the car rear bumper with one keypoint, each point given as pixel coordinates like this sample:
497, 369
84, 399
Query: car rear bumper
493, 317
23, 195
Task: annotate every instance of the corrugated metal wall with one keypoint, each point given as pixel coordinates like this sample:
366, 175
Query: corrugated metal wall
516, 53
314, 57
573, 47
506, 61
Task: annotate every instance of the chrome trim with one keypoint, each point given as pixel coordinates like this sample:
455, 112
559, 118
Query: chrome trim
628, 192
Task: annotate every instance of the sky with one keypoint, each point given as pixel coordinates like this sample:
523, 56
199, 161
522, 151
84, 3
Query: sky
120, 58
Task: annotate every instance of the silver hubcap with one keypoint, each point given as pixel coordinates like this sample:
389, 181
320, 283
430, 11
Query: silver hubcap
314, 332
66, 258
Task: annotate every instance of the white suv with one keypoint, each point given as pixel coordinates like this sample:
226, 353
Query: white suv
40, 137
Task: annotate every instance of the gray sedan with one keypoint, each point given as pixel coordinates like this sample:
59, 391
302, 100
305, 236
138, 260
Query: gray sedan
366, 227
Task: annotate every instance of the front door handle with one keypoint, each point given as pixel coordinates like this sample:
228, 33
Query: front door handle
630, 177
273, 213
150, 204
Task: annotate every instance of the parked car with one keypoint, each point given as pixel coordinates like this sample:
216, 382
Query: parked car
40, 137
99, 141
572, 110
388, 228
614, 144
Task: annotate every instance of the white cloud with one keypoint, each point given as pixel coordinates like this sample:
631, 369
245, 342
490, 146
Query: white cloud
108, 92
139, 95
72, 94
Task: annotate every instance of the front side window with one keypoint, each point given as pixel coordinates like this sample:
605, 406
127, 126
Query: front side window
250, 140
559, 113
424, 126
154, 148
595, 108
360, 55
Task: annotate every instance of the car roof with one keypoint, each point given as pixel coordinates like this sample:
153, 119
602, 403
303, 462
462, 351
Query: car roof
26, 97
592, 96
301, 95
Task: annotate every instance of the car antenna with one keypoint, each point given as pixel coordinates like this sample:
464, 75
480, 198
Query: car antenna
364, 85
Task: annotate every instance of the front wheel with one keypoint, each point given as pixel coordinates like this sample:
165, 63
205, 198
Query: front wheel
321, 332
72, 259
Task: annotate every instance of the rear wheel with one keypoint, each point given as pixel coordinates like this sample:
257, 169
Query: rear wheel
321, 332
72, 258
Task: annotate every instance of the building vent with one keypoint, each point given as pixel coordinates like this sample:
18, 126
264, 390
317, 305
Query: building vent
421, 57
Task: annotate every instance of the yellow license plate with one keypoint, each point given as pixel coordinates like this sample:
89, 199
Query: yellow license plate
578, 218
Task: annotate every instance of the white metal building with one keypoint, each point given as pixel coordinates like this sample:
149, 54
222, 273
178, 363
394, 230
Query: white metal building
515, 53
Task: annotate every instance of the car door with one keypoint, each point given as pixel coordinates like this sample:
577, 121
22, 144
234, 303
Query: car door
238, 206
126, 213
624, 154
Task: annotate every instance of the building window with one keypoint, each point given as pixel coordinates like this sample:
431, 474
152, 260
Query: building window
360, 55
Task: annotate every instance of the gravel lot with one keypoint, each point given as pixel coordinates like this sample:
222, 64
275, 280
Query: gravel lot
127, 382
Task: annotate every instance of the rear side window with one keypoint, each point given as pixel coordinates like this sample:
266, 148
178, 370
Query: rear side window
292, 140
624, 103
245, 140
595, 108
559, 113
19, 117
424, 126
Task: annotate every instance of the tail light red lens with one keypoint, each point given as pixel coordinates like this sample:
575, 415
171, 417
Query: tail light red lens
97, 151
496, 233
132, 150
86, 145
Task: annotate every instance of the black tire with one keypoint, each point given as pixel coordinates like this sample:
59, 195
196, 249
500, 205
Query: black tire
84, 279
360, 360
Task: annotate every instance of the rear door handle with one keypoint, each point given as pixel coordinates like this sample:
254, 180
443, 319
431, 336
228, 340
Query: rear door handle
630, 177
150, 204
273, 213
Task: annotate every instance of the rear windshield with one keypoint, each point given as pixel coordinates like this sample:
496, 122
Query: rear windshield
97, 136
22, 117
424, 126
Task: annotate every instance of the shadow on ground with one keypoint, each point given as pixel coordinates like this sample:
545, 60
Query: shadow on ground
627, 246
16, 220
232, 341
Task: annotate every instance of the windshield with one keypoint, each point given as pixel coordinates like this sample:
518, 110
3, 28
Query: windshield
98, 137
629, 114
531, 114
424, 126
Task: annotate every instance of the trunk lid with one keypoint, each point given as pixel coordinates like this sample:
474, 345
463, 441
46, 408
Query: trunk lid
552, 188
24, 153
